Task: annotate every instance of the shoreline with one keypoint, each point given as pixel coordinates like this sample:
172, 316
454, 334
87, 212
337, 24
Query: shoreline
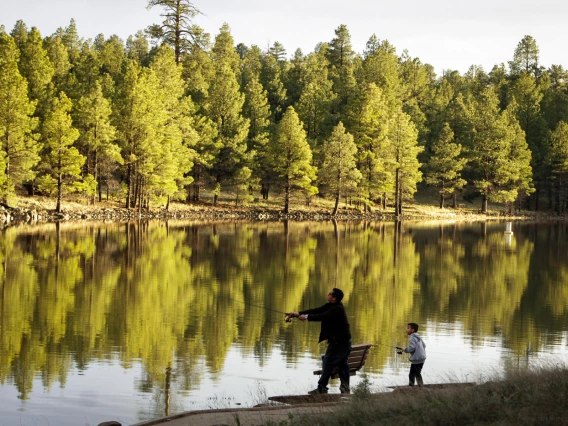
41, 211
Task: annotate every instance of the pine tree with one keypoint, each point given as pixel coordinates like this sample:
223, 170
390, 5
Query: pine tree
63, 161
369, 125
251, 66
85, 73
403, 139
339, 171
445, 165
498, 155
111, 53
224, 108
515, 176
224, 50
526, 96
342, 71
557, 160
59, 57
137, 48
177, 29
316, 100
19, 147
292, 157
525, 58
295, 77
271, 79
97, 136
35, 66
139, 117
180, 137
257, 111
381, 66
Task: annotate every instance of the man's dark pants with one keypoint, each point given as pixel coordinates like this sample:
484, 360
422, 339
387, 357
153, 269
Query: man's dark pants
336, 355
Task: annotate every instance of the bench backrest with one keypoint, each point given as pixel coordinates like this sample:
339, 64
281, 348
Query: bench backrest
356, 360
358, 356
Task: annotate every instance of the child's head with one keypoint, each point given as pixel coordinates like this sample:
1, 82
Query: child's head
412, 327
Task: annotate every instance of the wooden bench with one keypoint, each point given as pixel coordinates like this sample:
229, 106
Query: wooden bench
356, 361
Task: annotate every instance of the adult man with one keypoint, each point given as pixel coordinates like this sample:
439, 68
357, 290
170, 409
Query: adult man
335, 329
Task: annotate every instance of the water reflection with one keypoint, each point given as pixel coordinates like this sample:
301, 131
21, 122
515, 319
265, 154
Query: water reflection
180, 298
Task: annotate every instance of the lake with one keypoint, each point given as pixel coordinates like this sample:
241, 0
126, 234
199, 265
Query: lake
135, 321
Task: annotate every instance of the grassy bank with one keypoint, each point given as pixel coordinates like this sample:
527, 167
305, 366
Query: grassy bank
527, 398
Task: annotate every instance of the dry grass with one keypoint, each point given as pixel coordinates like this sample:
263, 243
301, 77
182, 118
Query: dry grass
522, 398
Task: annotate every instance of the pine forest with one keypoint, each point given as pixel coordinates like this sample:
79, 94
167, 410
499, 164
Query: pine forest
173, 111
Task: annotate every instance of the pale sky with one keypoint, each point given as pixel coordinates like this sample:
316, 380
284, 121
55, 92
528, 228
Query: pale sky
447, 34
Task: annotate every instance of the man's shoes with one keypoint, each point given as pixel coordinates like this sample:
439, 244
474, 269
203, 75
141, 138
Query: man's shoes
344, 388
317, 391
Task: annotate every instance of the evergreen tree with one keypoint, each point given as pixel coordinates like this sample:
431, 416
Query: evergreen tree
198, 72
97, 136
295, 77
272, 80
525, 58
498, 155
445, 165
85, 73
526, 96
35, 66
177, 29
224, 50
63, 161
180, 137
369, 125
416, 81
140, 117
381, 67
137, 48
257, 111
557, 160
339, 171
251, 66
19, 147
292, 157
403, 139
316, 102
554, 104
341, 70
515, 175
224, 108
111, 53
59, 57
71, 40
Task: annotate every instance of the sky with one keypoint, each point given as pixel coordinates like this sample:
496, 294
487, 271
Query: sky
448, 34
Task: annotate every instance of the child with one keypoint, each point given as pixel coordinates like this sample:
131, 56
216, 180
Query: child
417, 349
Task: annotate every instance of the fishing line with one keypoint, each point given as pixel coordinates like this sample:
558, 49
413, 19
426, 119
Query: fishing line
258, 306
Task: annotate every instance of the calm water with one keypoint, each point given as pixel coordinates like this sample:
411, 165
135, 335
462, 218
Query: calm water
133, 322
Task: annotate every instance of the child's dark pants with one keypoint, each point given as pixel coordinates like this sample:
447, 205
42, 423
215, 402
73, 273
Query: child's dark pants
415, 374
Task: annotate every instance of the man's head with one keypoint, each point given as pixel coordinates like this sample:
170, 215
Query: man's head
412, 327
335, 295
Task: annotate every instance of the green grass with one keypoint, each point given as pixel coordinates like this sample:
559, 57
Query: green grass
521, 398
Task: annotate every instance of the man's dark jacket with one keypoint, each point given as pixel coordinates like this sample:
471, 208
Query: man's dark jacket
334, 324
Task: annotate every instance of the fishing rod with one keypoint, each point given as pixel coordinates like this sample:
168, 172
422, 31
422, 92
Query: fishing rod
265, 308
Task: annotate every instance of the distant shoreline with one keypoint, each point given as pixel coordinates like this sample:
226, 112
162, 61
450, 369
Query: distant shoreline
39, 210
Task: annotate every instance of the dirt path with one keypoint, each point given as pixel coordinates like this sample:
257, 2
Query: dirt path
241, 416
